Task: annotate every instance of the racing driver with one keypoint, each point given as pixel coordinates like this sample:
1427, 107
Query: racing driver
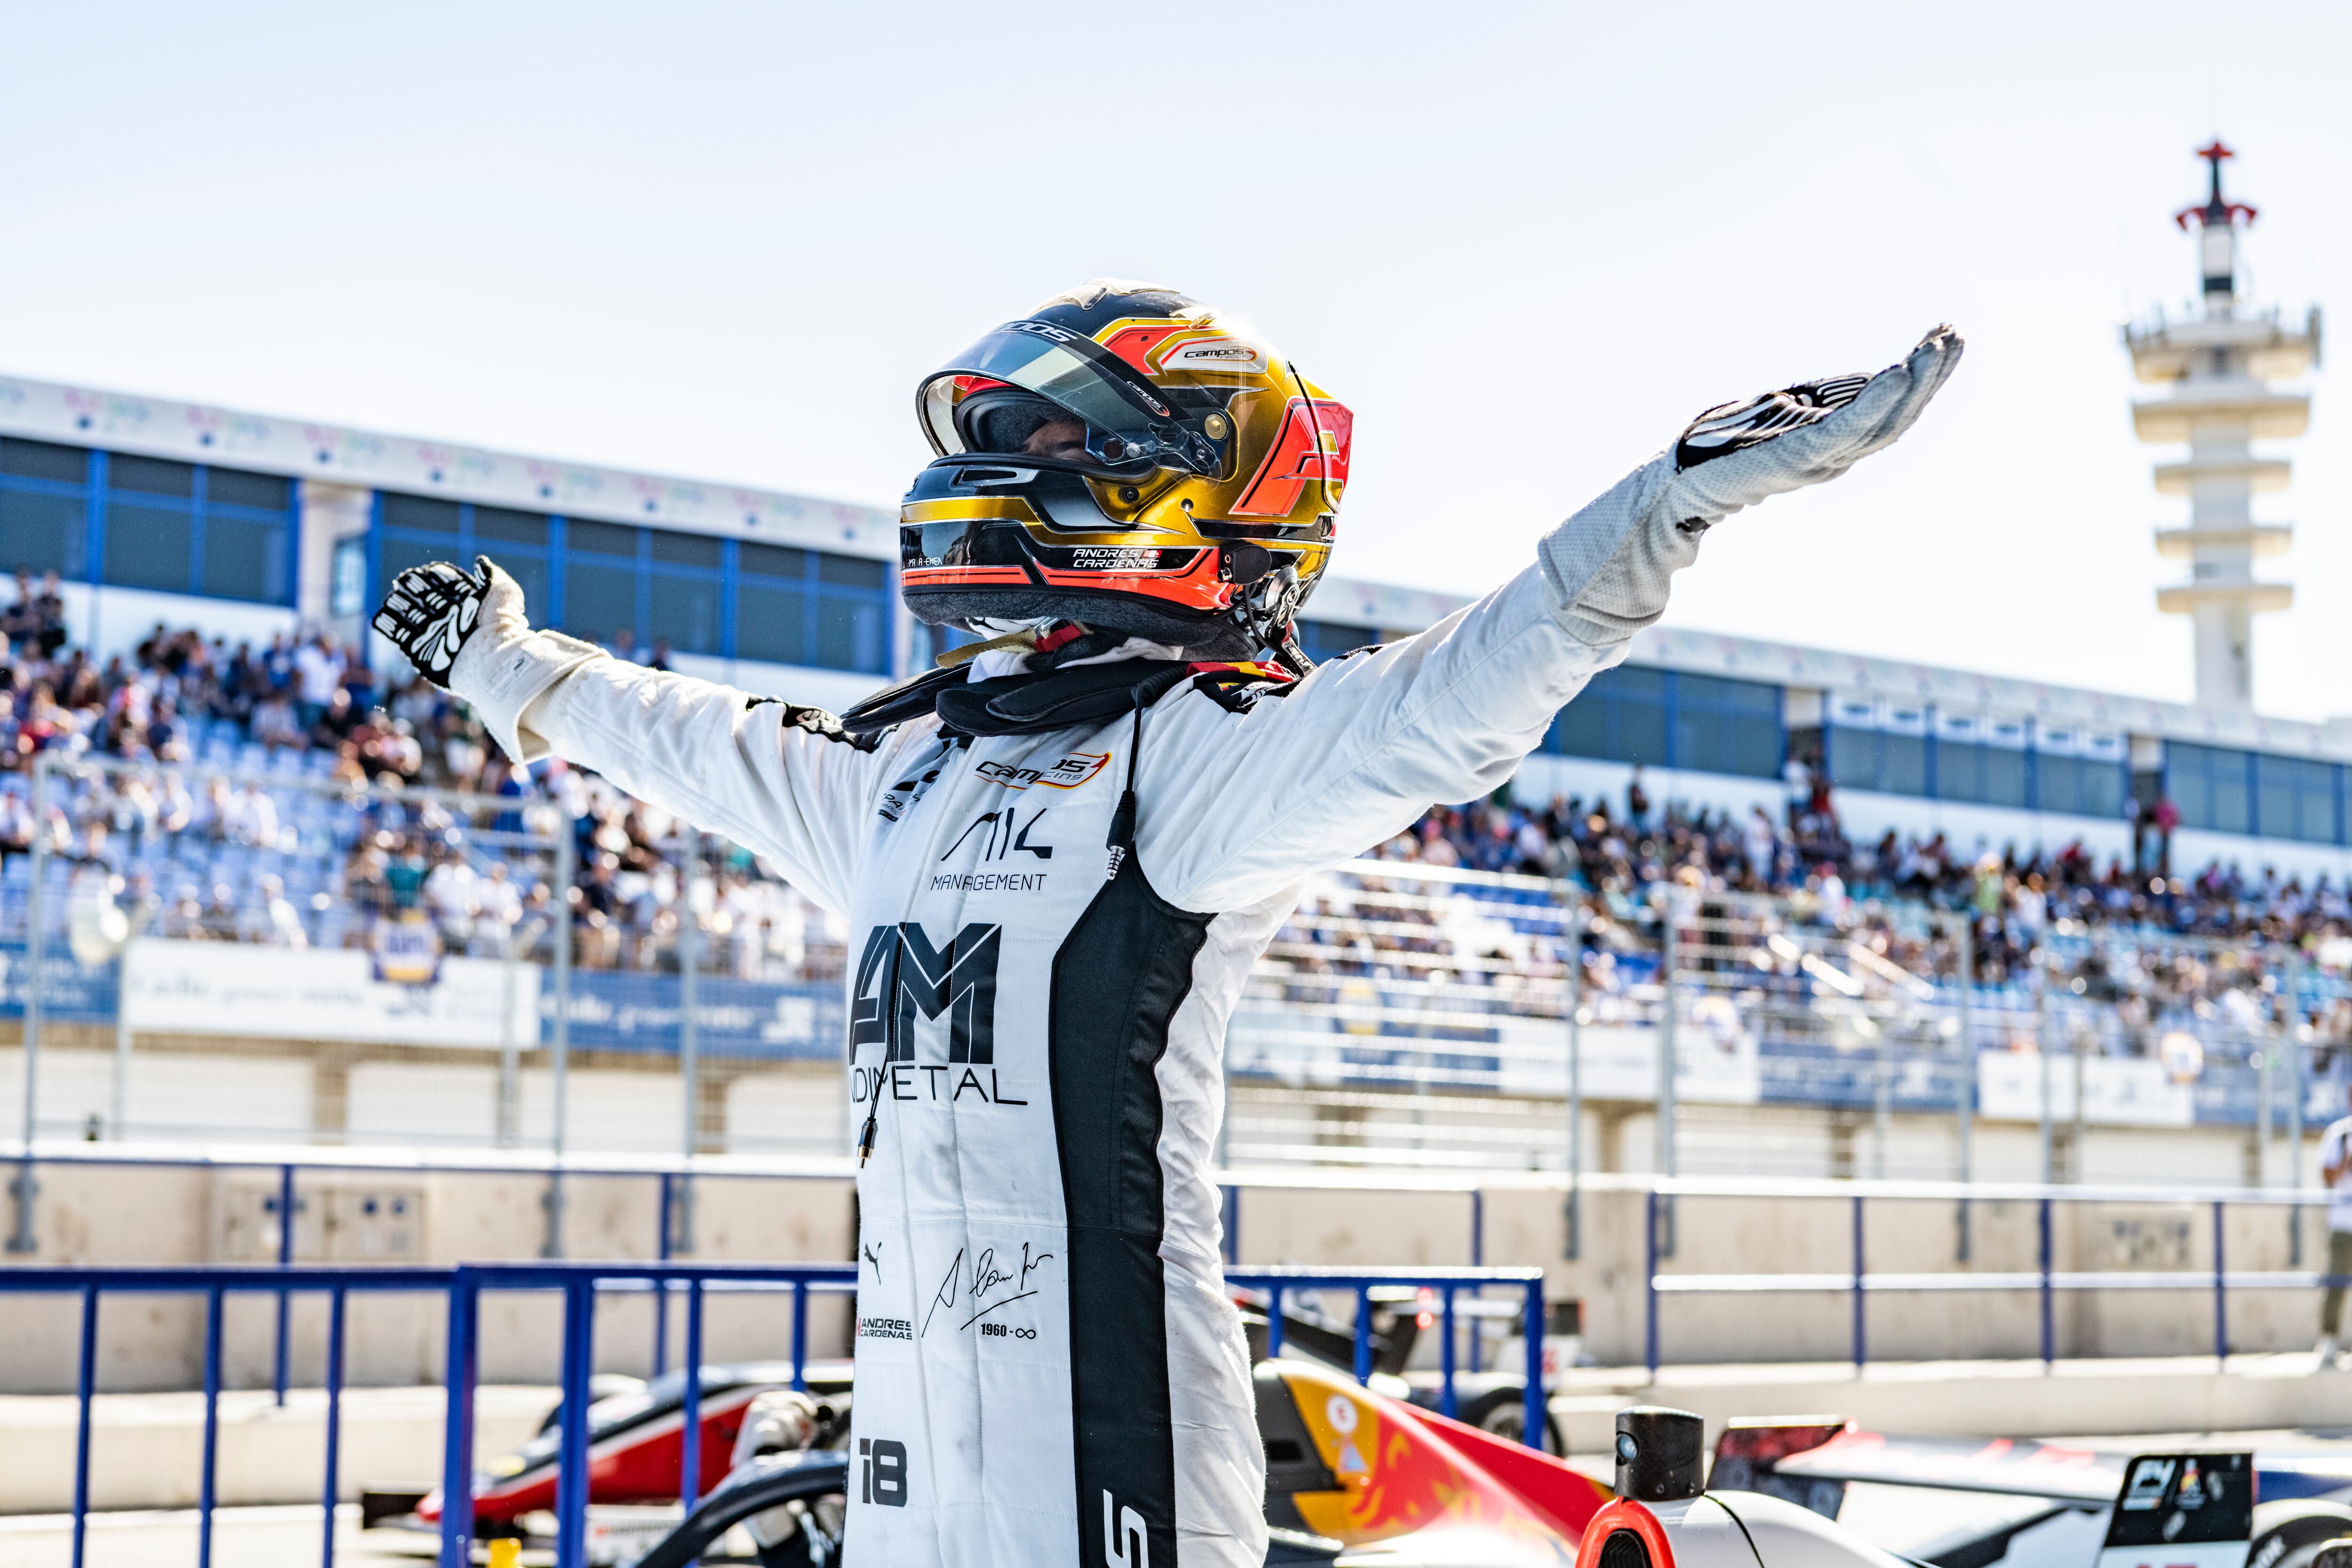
1061, 852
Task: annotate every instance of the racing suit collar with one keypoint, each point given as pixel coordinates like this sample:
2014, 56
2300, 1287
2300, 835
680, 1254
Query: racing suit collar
1064, 645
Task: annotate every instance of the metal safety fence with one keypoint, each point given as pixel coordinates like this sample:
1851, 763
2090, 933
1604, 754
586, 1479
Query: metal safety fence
582, 1286
2044, 1280
257, 947
1408, 1016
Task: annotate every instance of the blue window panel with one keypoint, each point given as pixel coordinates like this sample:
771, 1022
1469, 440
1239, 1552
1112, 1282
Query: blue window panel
2005, 780
670, 548
2079, 786
2102, 788
1749, 697
243, 558
1635, 714
852, 572
698, 593
2057, 780
772, 624
582, 537
1700, 738
2295, 797
773, 561
146, 522
419, 514
148, 544
599, 599
1755, 748
397, 555
1582, 729
2211, 785
685, 612
235, 487
45, 460
1852, 757
1635, 701
1727, 726
849, 633
497, 525
1960, 771
151, 476
41, 531
1902, 764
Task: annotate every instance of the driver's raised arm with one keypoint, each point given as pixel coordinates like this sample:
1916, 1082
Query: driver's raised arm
787, 782
1364, 744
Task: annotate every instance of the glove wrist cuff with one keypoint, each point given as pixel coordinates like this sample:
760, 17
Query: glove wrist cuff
1607, 574
499, 681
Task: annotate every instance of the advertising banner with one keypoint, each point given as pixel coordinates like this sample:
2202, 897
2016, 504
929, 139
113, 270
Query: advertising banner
172, 987
2132, 1091
623, 1012
70, 989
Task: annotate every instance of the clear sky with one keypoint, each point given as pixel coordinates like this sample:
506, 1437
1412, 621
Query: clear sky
1524, 242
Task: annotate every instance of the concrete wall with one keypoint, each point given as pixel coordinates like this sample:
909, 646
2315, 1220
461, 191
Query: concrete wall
182, 1214
1525, 1224
98, 1213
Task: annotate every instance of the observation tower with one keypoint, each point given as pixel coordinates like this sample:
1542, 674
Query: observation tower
2219, 362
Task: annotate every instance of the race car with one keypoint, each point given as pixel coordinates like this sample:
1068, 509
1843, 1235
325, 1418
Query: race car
635, 1449
1355, 1476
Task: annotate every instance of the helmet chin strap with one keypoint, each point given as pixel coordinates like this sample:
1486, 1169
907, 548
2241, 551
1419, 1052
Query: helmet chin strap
1023, 636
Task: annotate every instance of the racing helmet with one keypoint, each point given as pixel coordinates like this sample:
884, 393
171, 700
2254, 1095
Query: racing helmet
1125, 456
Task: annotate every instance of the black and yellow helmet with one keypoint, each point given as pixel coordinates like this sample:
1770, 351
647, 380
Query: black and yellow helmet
1124, 456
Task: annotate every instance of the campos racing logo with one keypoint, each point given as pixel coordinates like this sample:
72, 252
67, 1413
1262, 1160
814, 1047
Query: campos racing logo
1067, 773
1213, 353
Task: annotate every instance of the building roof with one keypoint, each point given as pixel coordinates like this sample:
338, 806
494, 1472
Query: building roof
333, 454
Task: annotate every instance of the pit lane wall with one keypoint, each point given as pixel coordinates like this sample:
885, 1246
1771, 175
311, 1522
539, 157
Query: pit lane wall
160, 1211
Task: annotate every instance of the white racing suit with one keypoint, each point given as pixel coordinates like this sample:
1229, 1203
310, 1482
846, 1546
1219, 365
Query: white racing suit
1048, 1369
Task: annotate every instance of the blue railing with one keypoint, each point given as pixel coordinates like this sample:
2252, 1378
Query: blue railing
675, 1180
215, 1283
2045, 1281
581, 1284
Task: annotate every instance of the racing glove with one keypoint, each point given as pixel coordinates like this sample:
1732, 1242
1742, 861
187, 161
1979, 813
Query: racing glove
432, 610
468, 634
1610, 566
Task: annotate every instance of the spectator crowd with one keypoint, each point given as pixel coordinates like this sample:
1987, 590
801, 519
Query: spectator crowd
321, 859
305, 707
1622, 846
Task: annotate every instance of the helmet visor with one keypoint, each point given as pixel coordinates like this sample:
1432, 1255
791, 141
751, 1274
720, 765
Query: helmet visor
1128, 423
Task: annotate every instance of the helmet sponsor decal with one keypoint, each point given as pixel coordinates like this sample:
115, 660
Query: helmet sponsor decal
1312, 445
1135, 341
1214, 353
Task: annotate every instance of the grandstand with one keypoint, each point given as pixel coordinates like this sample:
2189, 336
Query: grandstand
1805, 843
